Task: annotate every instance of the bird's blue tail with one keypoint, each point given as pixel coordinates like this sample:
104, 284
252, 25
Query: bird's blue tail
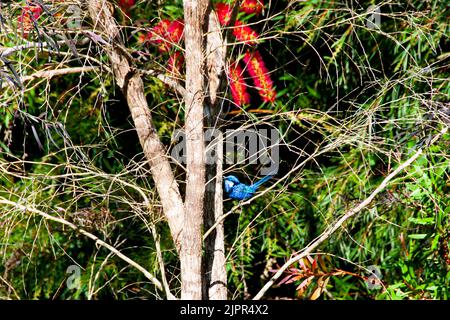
257, 184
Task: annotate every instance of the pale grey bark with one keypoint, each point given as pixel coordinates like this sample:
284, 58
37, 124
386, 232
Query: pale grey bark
191, 250
215, 276
215, 284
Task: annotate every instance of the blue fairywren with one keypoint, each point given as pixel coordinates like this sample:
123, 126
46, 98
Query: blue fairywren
240, 191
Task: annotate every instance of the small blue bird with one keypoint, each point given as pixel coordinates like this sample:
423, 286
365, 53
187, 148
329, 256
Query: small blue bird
241, 191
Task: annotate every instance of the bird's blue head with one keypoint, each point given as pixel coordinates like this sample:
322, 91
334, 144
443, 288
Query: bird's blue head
230, 182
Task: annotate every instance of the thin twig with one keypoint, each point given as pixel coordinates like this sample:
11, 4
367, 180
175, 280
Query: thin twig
155, 234
58, 72
171, 82
7, 51
10, 287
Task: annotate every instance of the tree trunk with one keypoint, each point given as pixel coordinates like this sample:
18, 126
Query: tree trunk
185, 220
215, 276
191, 248
132, 87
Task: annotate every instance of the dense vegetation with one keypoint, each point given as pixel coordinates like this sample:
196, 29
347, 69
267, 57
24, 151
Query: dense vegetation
358, 93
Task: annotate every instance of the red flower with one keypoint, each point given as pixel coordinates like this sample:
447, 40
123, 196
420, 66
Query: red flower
223, 11
252, 6
175, 63
26, 20
244, 33
165, 34
238, 86
158, 35
260, 75
175, 31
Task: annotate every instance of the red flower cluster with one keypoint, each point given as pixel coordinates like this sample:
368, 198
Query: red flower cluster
255, 64
241, 31
238, 86
244, 33
168, 33
175, 31
126, 5
252, 6
164, 35
223, 11
30, 14
260, 75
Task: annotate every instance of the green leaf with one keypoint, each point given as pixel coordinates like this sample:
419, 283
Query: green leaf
418, 236
422, 221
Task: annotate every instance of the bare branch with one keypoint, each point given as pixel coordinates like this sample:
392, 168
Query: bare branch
58, 72
155, 234
332, 229
215, 274
166, 80
98, 241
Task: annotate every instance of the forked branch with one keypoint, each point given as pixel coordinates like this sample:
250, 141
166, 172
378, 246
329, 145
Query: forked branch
132, 86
